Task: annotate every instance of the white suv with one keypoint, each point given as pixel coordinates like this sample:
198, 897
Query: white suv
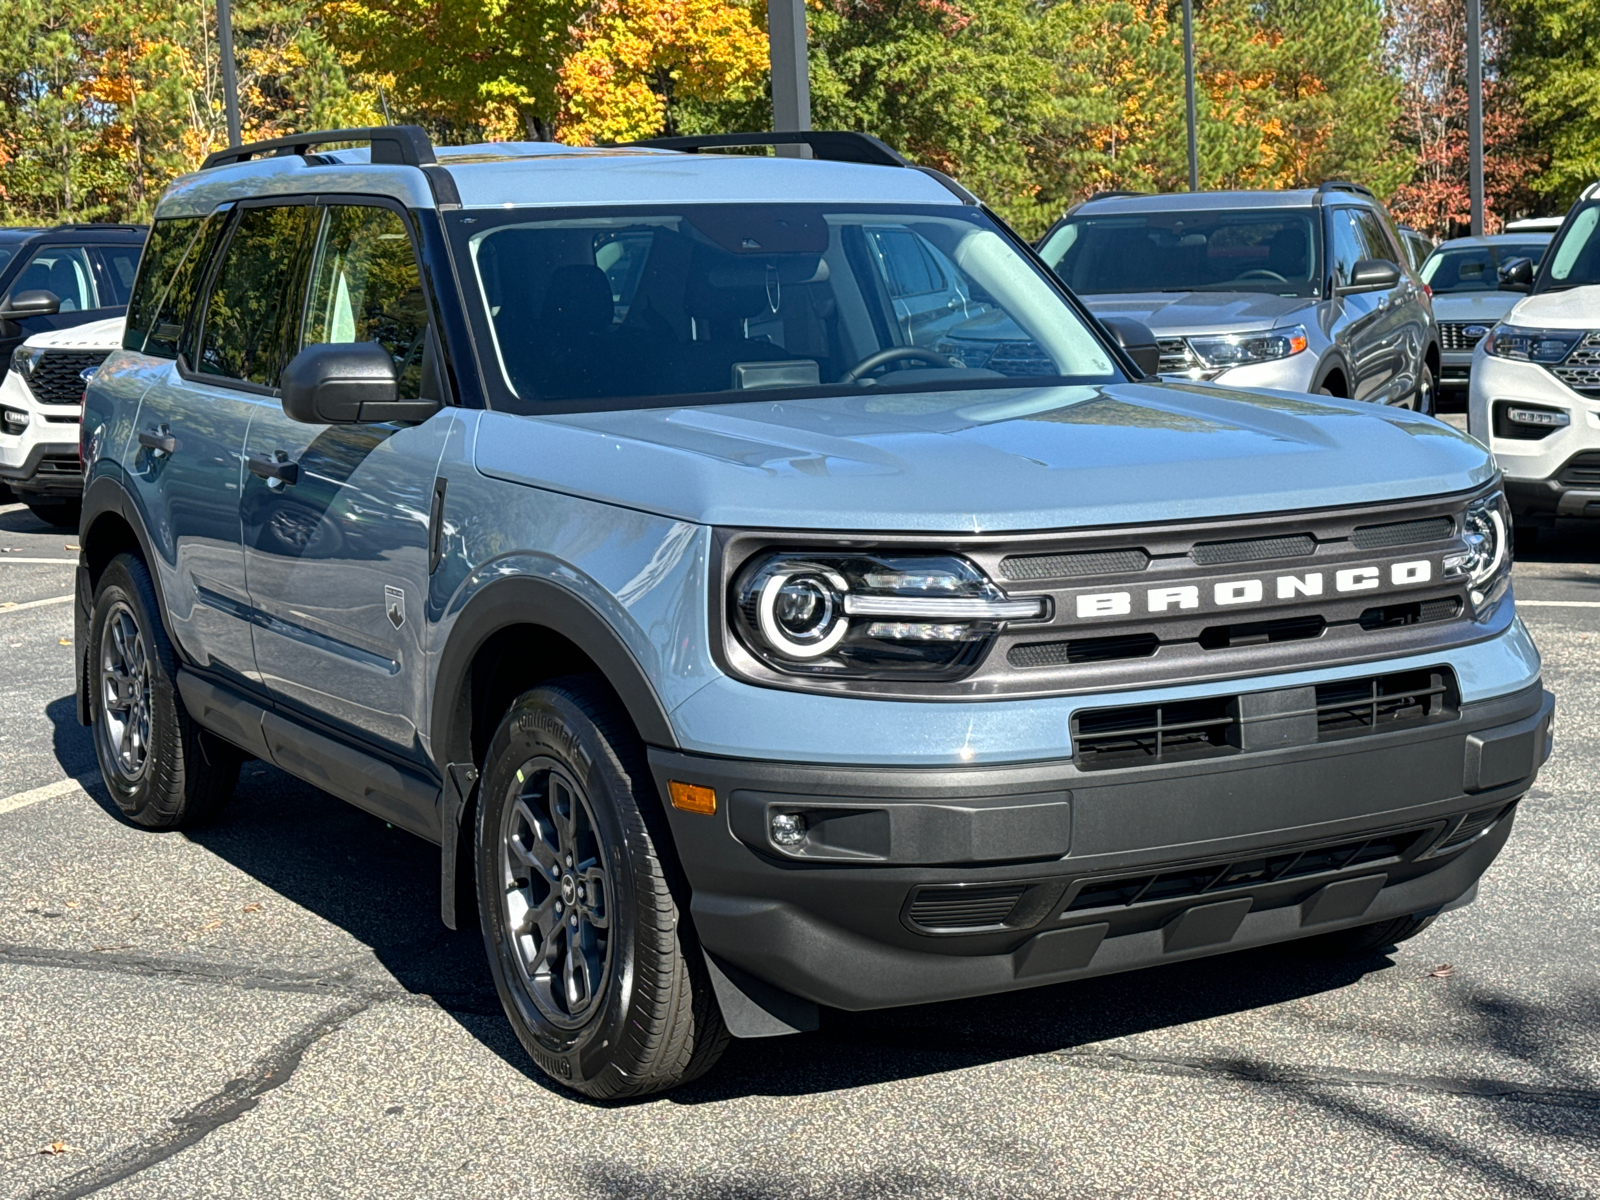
41, 398
1535, 393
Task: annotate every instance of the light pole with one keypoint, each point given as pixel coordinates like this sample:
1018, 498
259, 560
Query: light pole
230, 82
791, 78
1475, 111
1188, 95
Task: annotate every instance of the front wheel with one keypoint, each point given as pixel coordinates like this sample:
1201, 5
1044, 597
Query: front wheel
586, 941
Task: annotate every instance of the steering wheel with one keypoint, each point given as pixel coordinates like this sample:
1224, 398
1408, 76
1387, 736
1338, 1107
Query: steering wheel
894, 354
1261, 273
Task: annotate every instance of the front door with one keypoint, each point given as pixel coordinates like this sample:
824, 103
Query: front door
1363, 327
335, 517
78, 277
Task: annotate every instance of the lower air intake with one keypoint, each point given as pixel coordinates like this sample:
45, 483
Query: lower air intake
941, 910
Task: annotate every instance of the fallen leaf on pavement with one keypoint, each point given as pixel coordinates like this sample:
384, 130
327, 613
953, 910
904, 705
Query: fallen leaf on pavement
1442, 972
212, 925
58, 1147
252, 908
8, 603
72, 547
65, 642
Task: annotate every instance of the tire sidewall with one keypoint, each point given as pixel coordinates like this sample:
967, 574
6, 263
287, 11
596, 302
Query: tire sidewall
548, 723
119, 582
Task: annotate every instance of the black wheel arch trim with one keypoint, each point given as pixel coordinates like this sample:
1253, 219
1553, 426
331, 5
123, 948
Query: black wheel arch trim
1333, 362
528, 600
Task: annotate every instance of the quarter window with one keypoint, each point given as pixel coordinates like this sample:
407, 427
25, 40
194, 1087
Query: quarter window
253, 311
366, 288
163, 293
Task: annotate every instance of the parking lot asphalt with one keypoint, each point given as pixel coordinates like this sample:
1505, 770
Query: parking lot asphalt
270, 1007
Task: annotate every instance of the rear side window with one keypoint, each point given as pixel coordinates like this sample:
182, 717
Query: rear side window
253, 314
163, 293
118, 267
365, 287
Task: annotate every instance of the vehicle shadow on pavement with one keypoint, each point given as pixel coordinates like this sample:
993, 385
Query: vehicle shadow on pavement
20, 519
1569, 541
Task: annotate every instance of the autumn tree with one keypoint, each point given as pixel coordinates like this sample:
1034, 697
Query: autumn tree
1552, 59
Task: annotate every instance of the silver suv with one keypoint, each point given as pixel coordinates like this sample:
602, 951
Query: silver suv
1303, 291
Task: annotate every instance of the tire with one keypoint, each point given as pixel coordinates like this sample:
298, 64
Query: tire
7, 496
163, 770
63, 514
567, 801
1366, 940
1426, 398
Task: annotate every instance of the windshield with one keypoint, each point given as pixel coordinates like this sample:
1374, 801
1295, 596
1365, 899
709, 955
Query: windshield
1262, 250
1575, 258
609, 308
6, 254
1474, 268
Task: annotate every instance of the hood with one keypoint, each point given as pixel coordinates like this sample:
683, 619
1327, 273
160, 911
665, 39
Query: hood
95, 335
987, 461
1575, 308
1484, 307
1174, 314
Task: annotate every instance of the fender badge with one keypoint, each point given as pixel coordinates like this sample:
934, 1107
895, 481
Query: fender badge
394, 603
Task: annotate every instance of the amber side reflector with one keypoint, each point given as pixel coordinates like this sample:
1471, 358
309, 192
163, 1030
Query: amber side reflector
691, 797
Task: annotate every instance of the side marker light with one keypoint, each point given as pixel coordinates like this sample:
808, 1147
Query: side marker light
691, 797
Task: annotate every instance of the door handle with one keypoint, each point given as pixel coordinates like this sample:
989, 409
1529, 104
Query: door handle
158, 440
273, 468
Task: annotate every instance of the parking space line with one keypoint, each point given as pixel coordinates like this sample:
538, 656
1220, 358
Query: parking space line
10, 608
61, 787
62, 562
1558, 603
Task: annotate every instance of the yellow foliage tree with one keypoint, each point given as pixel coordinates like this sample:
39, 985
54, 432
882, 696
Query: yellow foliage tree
634, 60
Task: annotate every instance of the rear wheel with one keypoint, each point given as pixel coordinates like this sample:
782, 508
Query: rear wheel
162, 769
588, 946
63, 514
1366, 939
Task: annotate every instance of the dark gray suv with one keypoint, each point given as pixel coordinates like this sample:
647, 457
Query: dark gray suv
1303, 291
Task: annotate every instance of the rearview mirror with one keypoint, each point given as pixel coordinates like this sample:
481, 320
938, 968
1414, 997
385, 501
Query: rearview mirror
1372, 275
1516, 275
1137, 342
35, 302
347, 383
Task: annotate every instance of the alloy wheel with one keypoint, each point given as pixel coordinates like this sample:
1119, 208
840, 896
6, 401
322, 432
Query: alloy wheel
557, 893
124, 721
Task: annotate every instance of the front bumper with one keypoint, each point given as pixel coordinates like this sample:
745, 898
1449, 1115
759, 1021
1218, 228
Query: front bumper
920, 885
49, 469
1557, 474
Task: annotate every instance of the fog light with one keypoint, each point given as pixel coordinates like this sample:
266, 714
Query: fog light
14, 420
788, 829
1548, 417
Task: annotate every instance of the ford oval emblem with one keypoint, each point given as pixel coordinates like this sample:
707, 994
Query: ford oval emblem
1475, 331
87, 373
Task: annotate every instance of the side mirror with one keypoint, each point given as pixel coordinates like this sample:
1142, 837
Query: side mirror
35, 302
1516, 275
1372, 275
1137, 342
347, 383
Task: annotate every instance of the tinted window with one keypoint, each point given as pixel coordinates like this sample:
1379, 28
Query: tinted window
1349, 244
1378, 242
119, 266
1265, 250
365, 287
6, 255
163, 291
907, 266
253, 311
64, 270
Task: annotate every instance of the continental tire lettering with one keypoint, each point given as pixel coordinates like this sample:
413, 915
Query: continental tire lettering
1184, 597
1290, 586
1356, 579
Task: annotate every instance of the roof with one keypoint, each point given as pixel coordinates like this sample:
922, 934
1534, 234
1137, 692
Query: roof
501, 174
93, 231
1533, 236
1205, 201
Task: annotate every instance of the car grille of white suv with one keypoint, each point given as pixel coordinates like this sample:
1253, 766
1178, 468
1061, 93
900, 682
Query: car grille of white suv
57, 377
1580, 370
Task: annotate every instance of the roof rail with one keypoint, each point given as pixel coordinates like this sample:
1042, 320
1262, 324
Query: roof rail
1344, 185
1112, 194
830, 144
96, 226
398, 145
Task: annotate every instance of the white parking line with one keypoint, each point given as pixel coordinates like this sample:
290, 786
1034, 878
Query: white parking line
1558, 603
61, 787
64, 562
8, 607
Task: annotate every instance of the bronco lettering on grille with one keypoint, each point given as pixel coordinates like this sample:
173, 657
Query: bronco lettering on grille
1254, 590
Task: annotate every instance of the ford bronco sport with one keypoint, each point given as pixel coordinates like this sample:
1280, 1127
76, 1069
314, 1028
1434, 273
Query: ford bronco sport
607, 518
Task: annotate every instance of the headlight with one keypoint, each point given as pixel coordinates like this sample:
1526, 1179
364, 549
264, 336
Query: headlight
1486, 562
1531, 345
868, 615
24, 358
1240, 349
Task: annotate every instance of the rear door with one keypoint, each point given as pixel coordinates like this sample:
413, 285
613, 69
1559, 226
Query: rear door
336, 546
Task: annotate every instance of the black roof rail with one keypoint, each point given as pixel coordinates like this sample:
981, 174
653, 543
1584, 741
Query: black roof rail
1344, 185
397, 145
97, 226
1112, 195
833, 145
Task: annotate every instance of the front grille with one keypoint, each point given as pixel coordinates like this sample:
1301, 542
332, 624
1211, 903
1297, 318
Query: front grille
1453, 334
1185, 883
1582, 470
1084, 650
1213, 554
948, 908
1261, 633
1416, 612
1402, 533
1176, 357
1475, 823
57, 376
1028, 567
1144, 734
1580, 370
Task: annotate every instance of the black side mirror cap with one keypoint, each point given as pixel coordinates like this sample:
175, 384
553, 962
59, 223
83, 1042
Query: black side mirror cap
1137, 342
35, 302
1516, 275
348, 383
1372, 275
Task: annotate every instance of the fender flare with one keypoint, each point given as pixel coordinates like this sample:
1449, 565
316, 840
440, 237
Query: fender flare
1334, 362
528, 600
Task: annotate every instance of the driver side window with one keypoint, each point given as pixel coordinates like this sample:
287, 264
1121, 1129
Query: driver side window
1349, 247
63, 270
365, 287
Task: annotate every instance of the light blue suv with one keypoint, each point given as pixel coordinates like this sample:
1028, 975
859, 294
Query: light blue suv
611, 519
